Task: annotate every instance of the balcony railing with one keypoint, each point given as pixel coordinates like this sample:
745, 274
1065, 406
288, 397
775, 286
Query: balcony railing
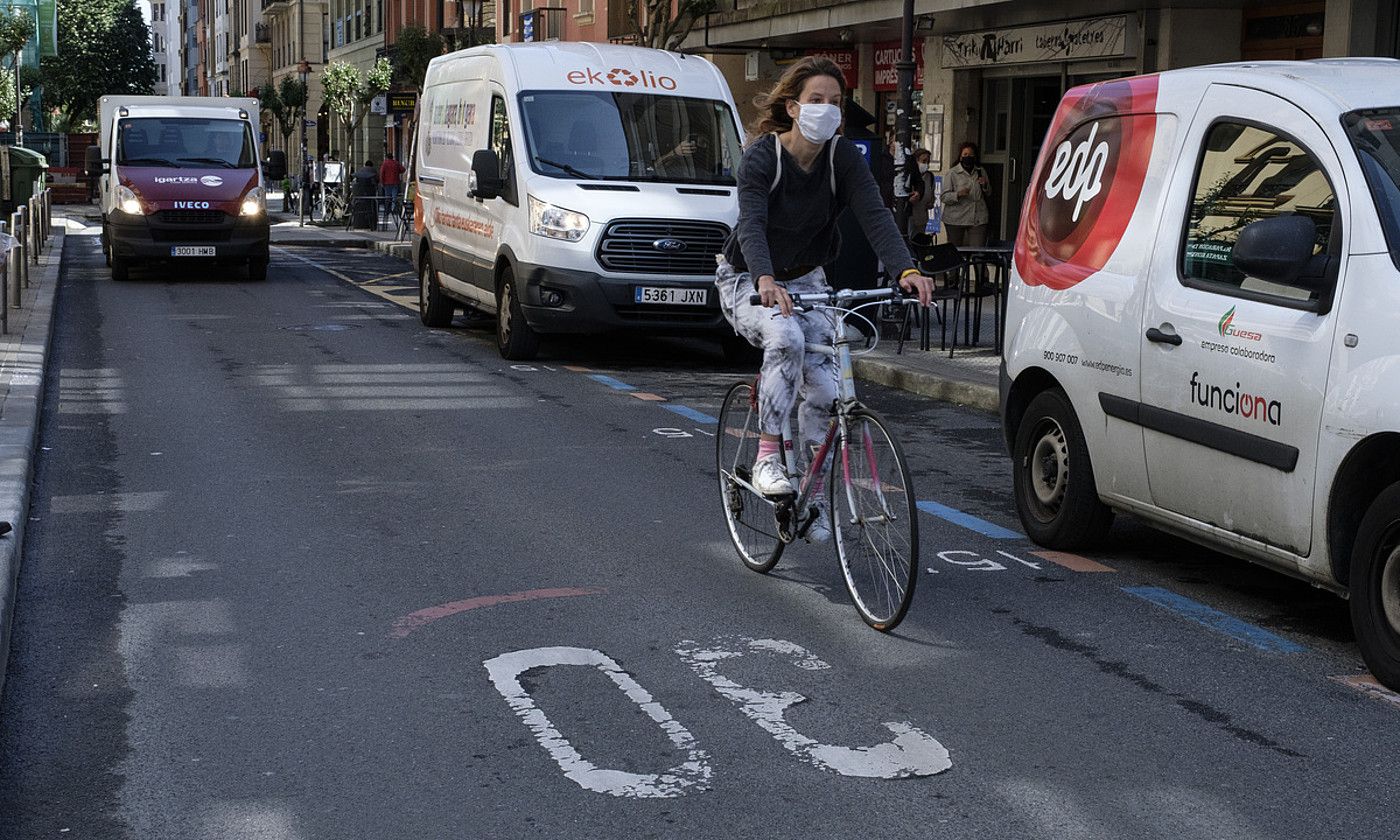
261, 34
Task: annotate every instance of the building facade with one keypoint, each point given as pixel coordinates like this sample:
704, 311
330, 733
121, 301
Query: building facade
992, 72
358, 39
296, 31
167, 43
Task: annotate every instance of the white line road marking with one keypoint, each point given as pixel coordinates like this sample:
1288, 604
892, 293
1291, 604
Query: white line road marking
911, 753
1035, 566
980, 564
505, 671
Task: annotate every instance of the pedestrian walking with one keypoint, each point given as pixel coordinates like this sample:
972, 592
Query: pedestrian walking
965, 191
918, 185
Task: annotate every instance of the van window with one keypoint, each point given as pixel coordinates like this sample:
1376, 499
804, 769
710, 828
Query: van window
1375, 135
597, 135
500, 144
1248, 173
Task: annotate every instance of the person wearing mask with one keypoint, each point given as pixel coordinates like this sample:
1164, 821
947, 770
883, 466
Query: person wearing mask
390, 173
795, 178
918, 182
965, 191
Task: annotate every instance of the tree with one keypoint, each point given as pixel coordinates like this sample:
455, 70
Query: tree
664, 24
104, 47
16, 28
349, 90
291, 93
413, 49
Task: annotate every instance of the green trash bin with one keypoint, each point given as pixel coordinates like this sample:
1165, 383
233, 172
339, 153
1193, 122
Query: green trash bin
27, 178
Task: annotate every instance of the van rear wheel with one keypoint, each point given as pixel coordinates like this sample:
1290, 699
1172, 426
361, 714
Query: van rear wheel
1375, 587
1056, 497
515, 339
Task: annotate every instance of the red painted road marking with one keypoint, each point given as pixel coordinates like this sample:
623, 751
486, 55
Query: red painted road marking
407, 624
1366, 684
1073, 562
643, 395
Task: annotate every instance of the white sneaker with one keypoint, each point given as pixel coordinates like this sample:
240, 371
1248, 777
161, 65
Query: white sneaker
820, 530
770, 478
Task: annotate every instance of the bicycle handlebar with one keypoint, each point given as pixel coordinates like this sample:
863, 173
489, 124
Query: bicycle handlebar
843, 297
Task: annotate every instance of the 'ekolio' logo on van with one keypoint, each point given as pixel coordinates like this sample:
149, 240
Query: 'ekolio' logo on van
1088, 182
622, 77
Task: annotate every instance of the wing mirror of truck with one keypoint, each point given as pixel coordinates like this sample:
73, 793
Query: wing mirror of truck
275, 167
1276, 250
486, 170
94, 163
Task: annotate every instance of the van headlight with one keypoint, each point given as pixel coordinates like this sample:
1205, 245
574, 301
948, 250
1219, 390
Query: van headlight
254, 203
556, 222
128, 200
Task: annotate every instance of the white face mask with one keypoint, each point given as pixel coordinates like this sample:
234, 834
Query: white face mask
923, 167
818, 123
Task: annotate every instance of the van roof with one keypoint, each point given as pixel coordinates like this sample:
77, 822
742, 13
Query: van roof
1317, 86
548, 65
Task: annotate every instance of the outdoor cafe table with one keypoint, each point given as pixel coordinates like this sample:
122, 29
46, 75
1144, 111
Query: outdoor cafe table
997, 257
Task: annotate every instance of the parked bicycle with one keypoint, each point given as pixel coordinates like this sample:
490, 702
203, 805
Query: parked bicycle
332, 206
859, 465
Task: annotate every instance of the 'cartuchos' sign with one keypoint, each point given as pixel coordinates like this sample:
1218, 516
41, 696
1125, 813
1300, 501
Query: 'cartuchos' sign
1105, 37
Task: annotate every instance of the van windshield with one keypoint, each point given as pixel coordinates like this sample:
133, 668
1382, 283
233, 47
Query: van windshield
1375, 135
185, 143
595, 135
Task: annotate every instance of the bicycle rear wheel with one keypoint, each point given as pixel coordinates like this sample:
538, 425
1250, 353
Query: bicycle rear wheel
874, 521
750, 517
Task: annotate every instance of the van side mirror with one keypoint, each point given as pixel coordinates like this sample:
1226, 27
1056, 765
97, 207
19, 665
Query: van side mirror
94, 163
486, 167
1276, 250
275, 167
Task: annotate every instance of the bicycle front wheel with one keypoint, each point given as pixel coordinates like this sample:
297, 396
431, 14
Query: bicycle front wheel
874, 521
752, 524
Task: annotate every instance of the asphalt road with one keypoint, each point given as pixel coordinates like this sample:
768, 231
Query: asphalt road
302, 568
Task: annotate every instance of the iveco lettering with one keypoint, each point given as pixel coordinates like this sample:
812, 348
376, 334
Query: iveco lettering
1201, 323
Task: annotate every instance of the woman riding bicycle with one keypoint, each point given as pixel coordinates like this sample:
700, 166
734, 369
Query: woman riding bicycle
794, 180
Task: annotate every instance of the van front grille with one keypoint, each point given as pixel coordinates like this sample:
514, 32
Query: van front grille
630, 245
192, 217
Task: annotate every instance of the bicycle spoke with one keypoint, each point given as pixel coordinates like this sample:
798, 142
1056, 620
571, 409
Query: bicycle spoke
750, 518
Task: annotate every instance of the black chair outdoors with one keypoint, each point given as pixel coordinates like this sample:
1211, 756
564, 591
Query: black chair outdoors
935, 261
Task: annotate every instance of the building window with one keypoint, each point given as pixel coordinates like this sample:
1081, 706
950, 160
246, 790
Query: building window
379, 18
505, 17
585, 7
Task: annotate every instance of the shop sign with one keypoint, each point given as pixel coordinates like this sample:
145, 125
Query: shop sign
846, 60
403, 102
886, 54
1105, 37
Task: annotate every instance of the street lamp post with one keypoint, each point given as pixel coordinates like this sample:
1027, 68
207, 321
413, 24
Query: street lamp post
304, 68
903, 130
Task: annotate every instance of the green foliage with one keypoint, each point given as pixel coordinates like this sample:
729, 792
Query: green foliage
104, 47
413, 49
349, 90
16, 28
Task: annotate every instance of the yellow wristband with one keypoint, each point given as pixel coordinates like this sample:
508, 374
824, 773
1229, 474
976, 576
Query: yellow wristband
907, 272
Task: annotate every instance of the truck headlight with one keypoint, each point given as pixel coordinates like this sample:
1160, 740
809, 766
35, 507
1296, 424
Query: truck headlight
556, 222
254, 203
128, 200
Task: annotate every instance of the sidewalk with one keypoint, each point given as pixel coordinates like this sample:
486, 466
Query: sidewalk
24, 353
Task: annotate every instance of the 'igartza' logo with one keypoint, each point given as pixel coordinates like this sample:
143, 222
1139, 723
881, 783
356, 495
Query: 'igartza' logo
1228, 328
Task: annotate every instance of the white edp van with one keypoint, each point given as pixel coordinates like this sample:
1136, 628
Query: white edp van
574, 188
1203, 326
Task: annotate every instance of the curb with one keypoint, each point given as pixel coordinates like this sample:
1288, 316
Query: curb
962, 392
19, 421
402, 250
321, 242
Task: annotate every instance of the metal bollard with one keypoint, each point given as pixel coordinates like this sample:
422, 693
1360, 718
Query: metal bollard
21, 276
48, 213
15, 259
35, 243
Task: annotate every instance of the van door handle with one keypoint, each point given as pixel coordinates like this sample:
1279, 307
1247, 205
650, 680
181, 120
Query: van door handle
432, 179
1157, 336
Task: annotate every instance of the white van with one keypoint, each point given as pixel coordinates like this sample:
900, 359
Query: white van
1203, 326
573, 188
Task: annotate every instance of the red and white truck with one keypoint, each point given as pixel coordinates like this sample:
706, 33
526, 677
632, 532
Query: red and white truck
180, 181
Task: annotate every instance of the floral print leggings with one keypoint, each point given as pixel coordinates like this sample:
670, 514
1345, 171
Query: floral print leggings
788, 370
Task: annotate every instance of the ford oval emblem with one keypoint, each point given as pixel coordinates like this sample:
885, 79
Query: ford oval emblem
670, 246
211, 181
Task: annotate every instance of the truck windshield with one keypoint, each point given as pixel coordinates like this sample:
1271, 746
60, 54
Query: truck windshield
630, 137
1375, 135
185, 143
